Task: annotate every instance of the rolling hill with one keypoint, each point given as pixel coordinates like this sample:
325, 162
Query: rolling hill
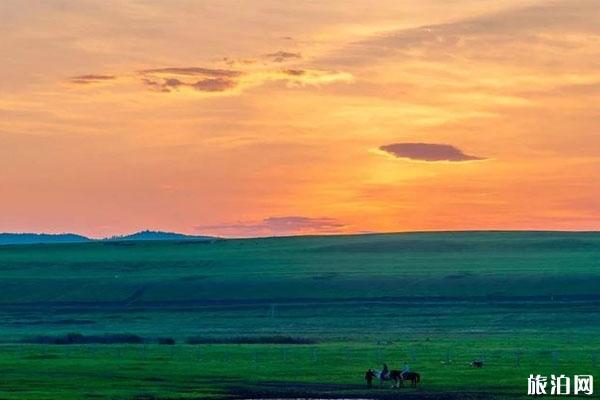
36, 238
50, 238
411, 265
158, 235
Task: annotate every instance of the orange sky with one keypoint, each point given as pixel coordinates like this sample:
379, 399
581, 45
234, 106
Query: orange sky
268, 117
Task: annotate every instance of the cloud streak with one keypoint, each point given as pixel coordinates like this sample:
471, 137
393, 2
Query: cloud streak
276, 226
283, 56
218, 79
428, 152
514, 27
294, 72
90, 78
203, 85
197, 78
194, 71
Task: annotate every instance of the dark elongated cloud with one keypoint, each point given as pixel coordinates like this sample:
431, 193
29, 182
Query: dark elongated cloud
428, 152
90, 78
214, 84
203, 85
276, 226
294, 72
164, 85
281, 56
209, 72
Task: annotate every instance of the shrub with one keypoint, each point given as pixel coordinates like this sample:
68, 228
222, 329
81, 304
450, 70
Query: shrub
251, 340
166, 340
78, 338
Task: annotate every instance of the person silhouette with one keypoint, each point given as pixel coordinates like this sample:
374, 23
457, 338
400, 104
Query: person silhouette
385, 372
405, 370
369, 375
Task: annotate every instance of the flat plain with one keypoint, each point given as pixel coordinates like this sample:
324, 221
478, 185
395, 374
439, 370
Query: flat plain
298, 316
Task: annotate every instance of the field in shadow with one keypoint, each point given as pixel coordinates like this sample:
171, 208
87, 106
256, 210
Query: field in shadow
298, 390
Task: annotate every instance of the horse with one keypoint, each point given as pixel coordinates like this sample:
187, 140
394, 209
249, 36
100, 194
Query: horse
379, 375
413, 377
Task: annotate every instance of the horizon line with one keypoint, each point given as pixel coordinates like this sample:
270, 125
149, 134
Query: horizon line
316, 234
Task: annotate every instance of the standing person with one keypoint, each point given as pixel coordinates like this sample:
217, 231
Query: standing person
369, 375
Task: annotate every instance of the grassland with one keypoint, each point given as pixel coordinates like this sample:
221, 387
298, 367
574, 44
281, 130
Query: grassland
526, 302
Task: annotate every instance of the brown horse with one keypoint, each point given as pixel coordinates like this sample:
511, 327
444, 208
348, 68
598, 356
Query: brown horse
413, 377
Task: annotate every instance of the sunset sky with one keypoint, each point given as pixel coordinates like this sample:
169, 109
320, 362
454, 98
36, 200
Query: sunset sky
270, 117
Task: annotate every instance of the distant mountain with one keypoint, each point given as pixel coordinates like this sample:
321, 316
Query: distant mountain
158, 235
34, 238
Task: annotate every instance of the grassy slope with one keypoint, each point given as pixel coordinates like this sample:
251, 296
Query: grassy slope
468, 293
465, 264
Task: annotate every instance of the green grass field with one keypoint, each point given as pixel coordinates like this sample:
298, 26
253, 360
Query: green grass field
525, 302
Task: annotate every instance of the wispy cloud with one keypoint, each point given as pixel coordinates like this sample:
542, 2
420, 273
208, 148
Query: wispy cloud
294, 72
276, 226
428, 152
283, 56
202, 85
214, 84
201, 79
90, 78
216, 80
196, 71
536, 26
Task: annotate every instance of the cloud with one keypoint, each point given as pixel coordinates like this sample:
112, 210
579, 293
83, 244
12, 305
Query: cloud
209, 72
282, 56
294, 72
90, 78
170, 78
428, 152
238, 61
214, 85
219, 80
295, 223
276, 226
162, 86
203, 85
532, 33
308, 77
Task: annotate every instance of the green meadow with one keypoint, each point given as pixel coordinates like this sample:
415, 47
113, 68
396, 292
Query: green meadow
299, 316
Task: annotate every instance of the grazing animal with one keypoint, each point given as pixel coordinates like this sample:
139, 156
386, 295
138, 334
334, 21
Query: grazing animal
477, 363
413, 377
